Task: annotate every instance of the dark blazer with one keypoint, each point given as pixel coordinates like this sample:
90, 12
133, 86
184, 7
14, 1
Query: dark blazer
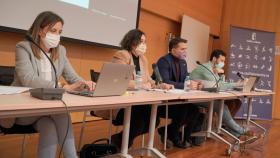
167, 69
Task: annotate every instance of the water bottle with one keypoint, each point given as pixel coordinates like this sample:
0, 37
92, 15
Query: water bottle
187, 83
138, 80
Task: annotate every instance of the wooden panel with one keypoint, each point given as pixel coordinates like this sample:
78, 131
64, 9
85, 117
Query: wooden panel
7, 47
208, 13
157, 29
257, 14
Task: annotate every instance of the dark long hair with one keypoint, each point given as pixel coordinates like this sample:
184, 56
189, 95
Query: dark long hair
44, 19
132, 38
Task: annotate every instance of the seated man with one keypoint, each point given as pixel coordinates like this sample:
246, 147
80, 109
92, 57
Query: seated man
216, 65
173, 70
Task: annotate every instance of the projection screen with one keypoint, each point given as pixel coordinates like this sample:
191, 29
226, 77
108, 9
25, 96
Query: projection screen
98, 21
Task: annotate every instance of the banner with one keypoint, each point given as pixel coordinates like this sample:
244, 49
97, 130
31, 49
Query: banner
252, 53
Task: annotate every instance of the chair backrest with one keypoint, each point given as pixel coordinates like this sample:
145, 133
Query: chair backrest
18, 129
94, 75
6, 75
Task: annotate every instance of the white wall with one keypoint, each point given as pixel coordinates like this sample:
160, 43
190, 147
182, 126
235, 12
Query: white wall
197, 34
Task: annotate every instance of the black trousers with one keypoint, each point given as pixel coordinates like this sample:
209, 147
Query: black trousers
186, 115
139, 123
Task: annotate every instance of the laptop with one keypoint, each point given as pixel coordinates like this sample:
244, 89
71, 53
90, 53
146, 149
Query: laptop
112, 81
250, 84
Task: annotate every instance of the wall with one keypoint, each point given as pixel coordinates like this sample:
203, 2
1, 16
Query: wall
256, 14
158, 18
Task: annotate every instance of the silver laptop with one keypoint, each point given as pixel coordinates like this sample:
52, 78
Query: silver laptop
112, 81
251, 83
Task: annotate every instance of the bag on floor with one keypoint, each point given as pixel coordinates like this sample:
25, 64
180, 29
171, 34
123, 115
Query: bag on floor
97, 149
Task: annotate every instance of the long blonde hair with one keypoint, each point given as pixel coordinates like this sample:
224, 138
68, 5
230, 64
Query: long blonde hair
44, 19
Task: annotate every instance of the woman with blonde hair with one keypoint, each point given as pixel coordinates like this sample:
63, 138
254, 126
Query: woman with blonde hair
34, 70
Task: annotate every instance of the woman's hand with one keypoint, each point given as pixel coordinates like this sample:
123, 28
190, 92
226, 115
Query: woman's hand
80, 85
146, 85
91, 85
219, 71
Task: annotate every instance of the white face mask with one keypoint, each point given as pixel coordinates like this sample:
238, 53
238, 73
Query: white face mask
51, 40
220, 65
141, 49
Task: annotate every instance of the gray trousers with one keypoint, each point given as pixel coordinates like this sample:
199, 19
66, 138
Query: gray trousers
52, 130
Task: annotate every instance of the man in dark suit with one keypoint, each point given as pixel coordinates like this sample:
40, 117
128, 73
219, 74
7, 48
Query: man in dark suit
173, 70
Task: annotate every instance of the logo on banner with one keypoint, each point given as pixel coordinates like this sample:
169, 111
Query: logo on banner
253, 38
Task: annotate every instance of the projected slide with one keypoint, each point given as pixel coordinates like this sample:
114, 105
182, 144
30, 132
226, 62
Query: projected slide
98, 21
98, 8
80, 3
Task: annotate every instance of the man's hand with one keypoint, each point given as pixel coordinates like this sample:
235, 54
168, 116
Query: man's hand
195, 85
166, 86
240, 83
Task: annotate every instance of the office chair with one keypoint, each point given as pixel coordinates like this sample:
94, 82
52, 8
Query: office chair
94, 75
6, 75
6, 79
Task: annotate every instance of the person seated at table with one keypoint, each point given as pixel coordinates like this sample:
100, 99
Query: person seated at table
133, 52
33, 70
216, 64
173, 70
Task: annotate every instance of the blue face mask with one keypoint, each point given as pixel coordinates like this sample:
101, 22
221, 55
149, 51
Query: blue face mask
220, 65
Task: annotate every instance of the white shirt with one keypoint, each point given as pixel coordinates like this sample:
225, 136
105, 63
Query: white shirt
46, 67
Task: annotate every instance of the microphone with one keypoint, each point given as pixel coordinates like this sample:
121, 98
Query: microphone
215, 88
157, 74
46, 93
240, 76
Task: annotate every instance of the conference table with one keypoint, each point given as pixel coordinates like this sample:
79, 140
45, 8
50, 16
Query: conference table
20, 105
221, 97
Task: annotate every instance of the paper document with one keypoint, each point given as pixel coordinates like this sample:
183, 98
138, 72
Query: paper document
12, 89
175, 91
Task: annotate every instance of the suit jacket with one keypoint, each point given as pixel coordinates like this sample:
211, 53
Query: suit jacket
28, 71
167, 69
124, 57
201, 73
28, 68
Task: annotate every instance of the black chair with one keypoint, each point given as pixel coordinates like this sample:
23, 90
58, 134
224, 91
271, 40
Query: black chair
6, 75
6, 79
94, 75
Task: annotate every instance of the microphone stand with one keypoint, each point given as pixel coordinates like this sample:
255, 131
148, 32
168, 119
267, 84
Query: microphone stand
157, 74
215, 88
46, 93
